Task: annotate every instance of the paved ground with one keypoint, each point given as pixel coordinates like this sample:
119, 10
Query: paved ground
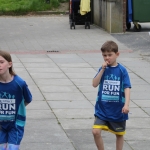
58, 64
138, 41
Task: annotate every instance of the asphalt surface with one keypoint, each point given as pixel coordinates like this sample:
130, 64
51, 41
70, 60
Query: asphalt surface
137, 41
58, 64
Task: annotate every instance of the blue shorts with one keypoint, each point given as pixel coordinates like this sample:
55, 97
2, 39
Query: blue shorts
11, 133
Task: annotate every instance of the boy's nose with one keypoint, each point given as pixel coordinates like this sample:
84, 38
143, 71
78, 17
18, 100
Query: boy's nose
107, 57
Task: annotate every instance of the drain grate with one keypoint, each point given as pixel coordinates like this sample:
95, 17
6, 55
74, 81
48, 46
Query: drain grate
52, 51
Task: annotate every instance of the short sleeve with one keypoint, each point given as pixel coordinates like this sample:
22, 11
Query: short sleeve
27, 94
126, 80
98, 71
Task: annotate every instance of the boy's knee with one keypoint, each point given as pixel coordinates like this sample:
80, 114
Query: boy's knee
96, 132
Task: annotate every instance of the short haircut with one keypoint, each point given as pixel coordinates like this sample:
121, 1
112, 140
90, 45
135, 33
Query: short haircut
109, 46
7, 57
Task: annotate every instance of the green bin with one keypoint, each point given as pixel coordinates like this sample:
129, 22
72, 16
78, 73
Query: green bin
141, 10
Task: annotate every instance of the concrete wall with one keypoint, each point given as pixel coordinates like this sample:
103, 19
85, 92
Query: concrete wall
109, 15
96, 12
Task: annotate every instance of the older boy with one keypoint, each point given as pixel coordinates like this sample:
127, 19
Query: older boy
112, 104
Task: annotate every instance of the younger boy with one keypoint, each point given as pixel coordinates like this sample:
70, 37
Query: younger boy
112, 104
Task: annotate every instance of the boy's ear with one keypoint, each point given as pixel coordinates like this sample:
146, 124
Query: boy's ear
10, 64
117, 53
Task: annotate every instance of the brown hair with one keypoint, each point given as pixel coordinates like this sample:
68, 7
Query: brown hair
109, 46
7, 56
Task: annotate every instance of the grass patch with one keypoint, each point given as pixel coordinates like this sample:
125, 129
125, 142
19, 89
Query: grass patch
20, 7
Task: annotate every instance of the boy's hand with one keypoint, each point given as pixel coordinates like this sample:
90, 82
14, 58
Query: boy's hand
26, 103
125, 109
104, 65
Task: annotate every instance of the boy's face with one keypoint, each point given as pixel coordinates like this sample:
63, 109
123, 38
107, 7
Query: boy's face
110, 58
4, 65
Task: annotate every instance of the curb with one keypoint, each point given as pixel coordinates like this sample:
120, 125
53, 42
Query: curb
50, 13
38, 13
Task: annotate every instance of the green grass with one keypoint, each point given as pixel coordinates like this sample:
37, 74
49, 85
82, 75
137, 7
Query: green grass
20, 7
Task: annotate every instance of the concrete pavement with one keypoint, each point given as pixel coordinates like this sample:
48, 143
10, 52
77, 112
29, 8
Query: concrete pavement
58, 64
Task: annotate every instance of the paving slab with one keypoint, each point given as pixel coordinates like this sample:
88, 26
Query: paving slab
26, 54
43, 70
74, 113
48, 75
77, 70
17, 64
77, 123
80, 75
65, 96
138, 145
91, 95
138, 123
74, 65
38, 105
70, 104
137, 113
140, 134
50, 81
37, 96
47, 145
139, 95
38, 114
146, 110
44, 131
87, 141
141, 88
82, 81
60, 89
142, 103
36, 60
39, 65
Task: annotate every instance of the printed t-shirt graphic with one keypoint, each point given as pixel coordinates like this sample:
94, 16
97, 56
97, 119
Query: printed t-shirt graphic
7, 106
111, 88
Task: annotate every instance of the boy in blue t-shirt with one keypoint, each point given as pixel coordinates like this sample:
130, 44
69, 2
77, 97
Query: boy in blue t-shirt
112, 103
14, 96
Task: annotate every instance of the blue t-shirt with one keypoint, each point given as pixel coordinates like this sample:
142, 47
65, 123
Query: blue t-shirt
12, 98
111, 97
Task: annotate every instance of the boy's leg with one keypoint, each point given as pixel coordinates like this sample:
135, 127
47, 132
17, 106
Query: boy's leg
98, 138
3, 146
3, 138
119, 142
118, 128
98, 126
15, 136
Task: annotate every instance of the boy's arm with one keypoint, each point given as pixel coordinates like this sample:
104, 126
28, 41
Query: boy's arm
97, 79
127, 101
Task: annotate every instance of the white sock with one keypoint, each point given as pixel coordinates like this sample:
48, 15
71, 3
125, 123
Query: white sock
12, 147
3, 146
